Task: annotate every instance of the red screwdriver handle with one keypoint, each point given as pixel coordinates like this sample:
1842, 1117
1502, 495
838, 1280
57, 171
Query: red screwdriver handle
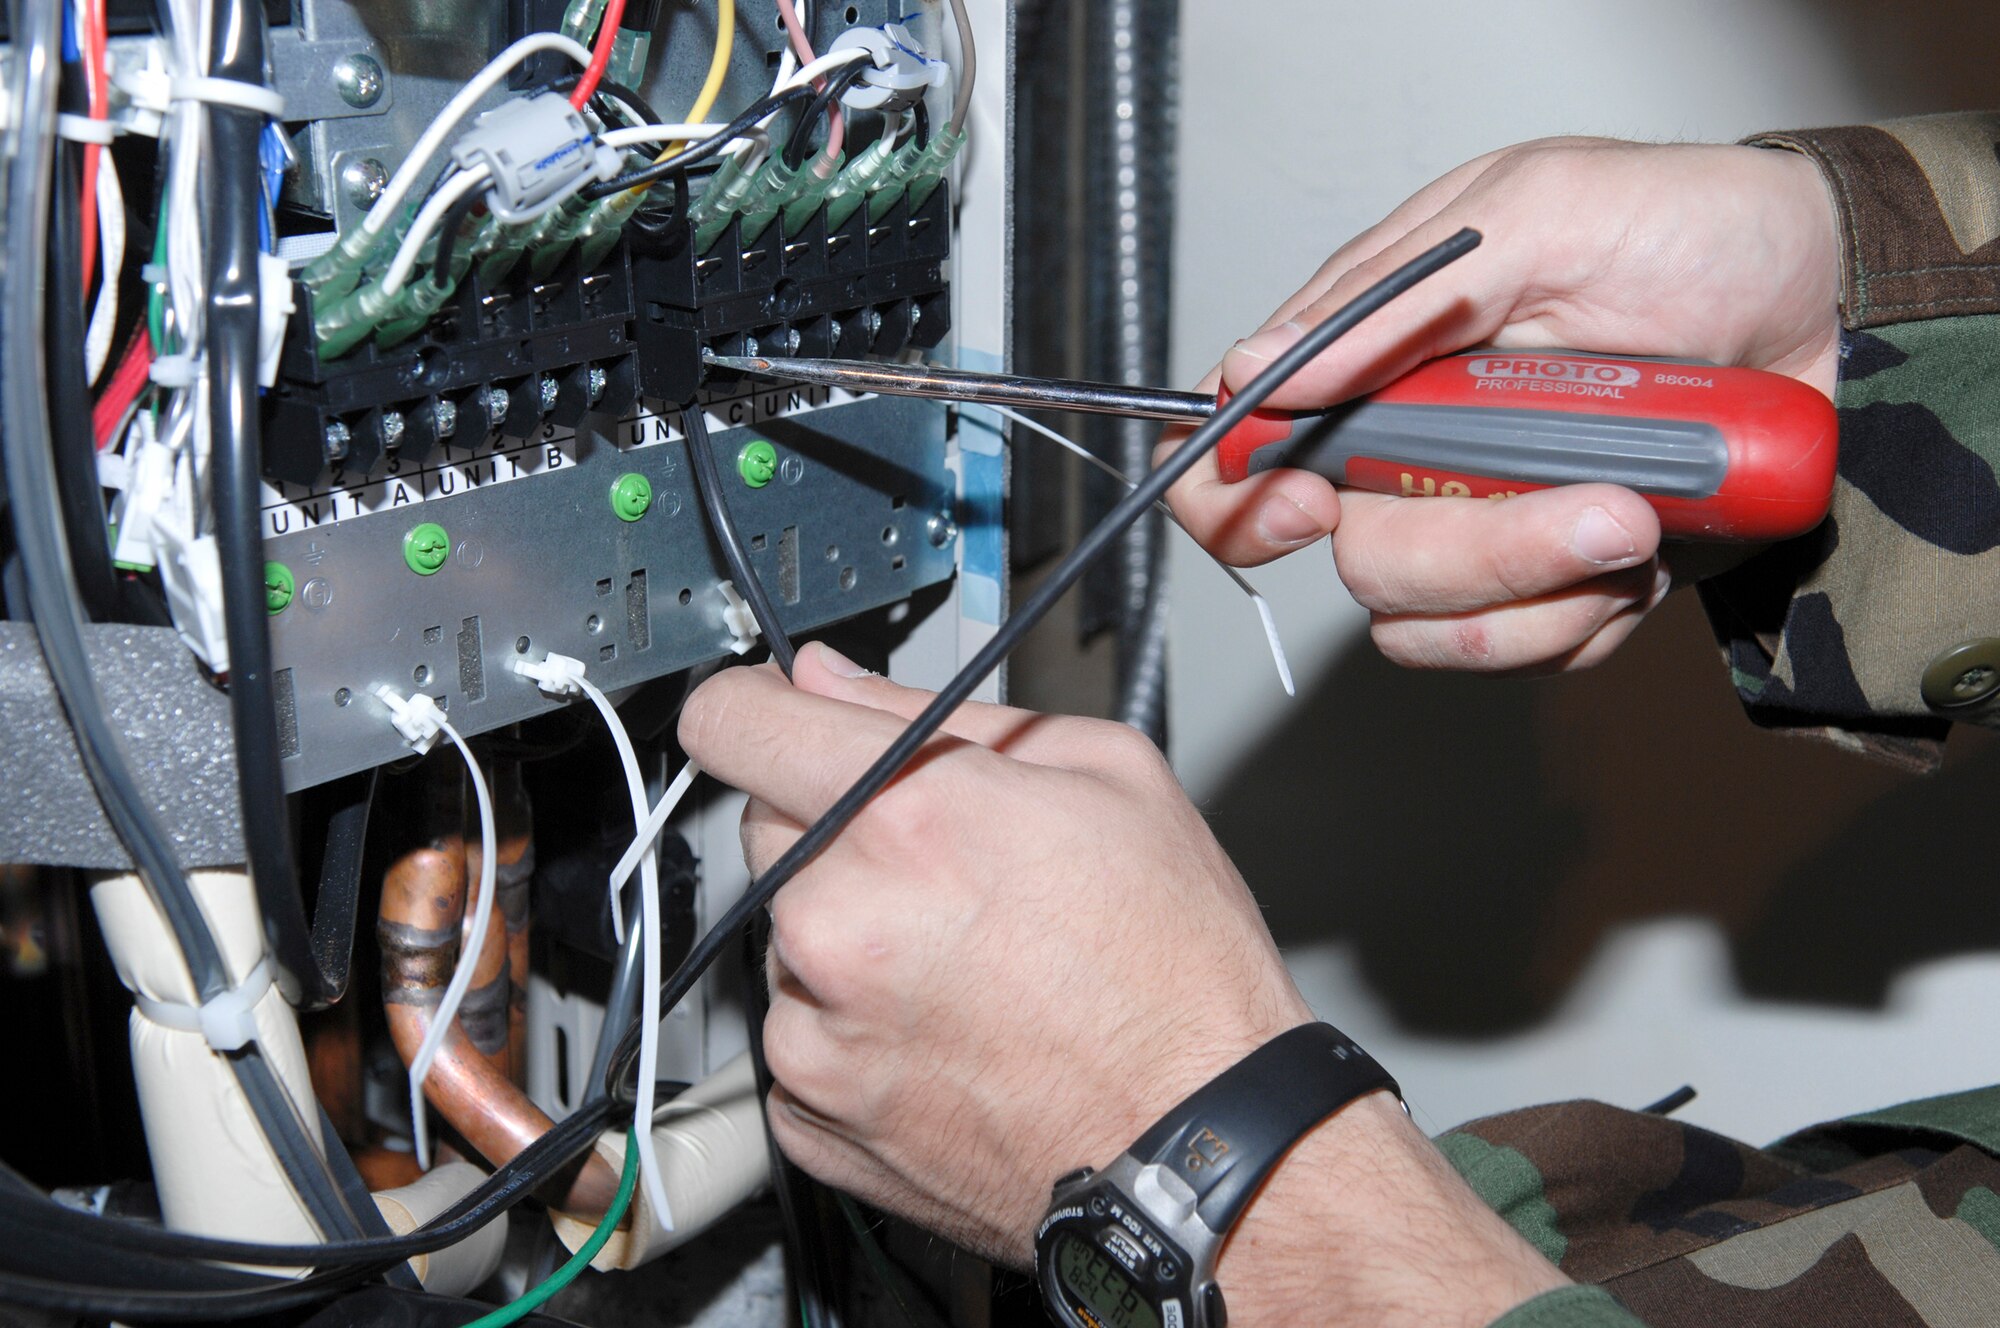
1734, 455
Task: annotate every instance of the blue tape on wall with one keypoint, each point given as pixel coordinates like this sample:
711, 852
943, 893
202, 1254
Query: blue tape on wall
982, 536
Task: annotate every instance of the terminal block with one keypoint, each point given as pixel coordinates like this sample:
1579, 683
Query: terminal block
862, 288
506, 359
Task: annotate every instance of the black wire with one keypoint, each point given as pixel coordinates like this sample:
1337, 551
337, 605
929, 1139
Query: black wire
230, 174
702, 151
449, 226
643, 112
922, 121
801, 140
69, 394
302, 1164
1093, 546
708, 483
506, 1187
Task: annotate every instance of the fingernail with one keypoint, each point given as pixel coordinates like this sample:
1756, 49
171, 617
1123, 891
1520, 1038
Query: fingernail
1663, 581
1600, 539
1282, 522
839, 665
1271, 342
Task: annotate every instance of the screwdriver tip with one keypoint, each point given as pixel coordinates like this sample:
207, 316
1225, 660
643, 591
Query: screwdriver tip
740, 363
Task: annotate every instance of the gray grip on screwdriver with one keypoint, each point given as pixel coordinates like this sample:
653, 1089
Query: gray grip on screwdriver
1672, 458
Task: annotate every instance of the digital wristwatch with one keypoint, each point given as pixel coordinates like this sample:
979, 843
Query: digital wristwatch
1135, 1245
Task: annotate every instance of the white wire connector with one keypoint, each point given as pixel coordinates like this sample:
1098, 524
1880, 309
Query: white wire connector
148, 483
419, 720
738, 619
416, 717
901, 71
556, 675
537, 151
226, 1021
191, 574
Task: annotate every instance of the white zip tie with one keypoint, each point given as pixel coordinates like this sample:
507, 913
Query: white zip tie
1257, 600
420, 721
224, 1020
83, 129
229, 92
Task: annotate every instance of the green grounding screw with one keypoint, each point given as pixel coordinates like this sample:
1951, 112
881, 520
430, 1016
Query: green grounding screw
278, 587
426, 547
631, 496
757, 463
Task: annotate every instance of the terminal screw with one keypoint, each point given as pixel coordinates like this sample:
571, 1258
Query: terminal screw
426, 547
444, 417
548, 390
278, 587
338, 438
596, 380
496, 406
359, 80
392, 429
757, 463
631, 496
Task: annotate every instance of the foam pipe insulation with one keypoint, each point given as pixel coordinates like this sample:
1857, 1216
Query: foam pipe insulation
214, 1173
712, 1158
456, 1269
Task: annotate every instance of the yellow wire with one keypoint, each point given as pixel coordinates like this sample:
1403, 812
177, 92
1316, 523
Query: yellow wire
718, 73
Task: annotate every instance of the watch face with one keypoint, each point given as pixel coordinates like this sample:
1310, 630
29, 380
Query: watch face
1100, 1288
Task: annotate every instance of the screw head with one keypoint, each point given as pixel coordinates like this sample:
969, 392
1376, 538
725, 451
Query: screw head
338, 439
359, 80
549, 390
278, 587
393, 425
941, 529
496, 405
595, 381
363, 179
426, 548
757, 463
444, 417
631, 496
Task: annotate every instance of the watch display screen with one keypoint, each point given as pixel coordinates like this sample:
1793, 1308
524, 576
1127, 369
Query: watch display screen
1104, 1288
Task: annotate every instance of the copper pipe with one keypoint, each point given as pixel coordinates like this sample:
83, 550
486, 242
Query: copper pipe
517, 865
423, 906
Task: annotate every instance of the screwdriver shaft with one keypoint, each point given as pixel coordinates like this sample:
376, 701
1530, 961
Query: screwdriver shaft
916, 380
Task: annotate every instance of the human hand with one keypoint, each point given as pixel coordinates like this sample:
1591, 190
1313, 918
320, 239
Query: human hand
1015, 960
1725, 254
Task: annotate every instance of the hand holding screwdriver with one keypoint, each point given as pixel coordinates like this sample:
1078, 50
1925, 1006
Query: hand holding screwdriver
1719, 253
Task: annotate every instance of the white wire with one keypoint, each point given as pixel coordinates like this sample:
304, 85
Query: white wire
655, 822
1262, 605
649, 977
440, 202
468, 955
406, 176
671, 133
111, 233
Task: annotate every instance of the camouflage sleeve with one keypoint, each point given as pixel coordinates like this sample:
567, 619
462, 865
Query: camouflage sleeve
1883, 627
1570, 1307
1890, 1219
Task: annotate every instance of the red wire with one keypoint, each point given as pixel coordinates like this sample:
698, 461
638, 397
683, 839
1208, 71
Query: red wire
128, 380
600, 54
92, 21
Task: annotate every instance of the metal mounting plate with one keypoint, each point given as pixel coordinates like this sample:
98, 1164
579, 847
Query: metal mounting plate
859, 516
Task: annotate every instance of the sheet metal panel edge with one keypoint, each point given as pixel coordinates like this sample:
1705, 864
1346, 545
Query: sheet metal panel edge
540, 562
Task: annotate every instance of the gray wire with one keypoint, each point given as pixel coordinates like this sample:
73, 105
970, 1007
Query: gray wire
968, 67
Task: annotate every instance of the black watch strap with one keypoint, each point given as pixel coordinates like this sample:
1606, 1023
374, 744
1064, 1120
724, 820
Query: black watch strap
1225, 1138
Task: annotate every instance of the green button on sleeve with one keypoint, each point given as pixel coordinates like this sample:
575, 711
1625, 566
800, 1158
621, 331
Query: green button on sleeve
1570, 1307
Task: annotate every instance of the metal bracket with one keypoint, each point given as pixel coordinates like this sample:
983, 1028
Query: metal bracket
330, 79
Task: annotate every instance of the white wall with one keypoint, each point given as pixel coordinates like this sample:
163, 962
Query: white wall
1471, 875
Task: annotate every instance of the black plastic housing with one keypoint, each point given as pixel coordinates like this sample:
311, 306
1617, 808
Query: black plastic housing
643, 316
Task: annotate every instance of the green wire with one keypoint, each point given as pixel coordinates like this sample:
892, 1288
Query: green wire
539, 1296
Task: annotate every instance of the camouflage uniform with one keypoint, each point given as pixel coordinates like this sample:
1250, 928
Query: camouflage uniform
1875, 632
1835, 633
